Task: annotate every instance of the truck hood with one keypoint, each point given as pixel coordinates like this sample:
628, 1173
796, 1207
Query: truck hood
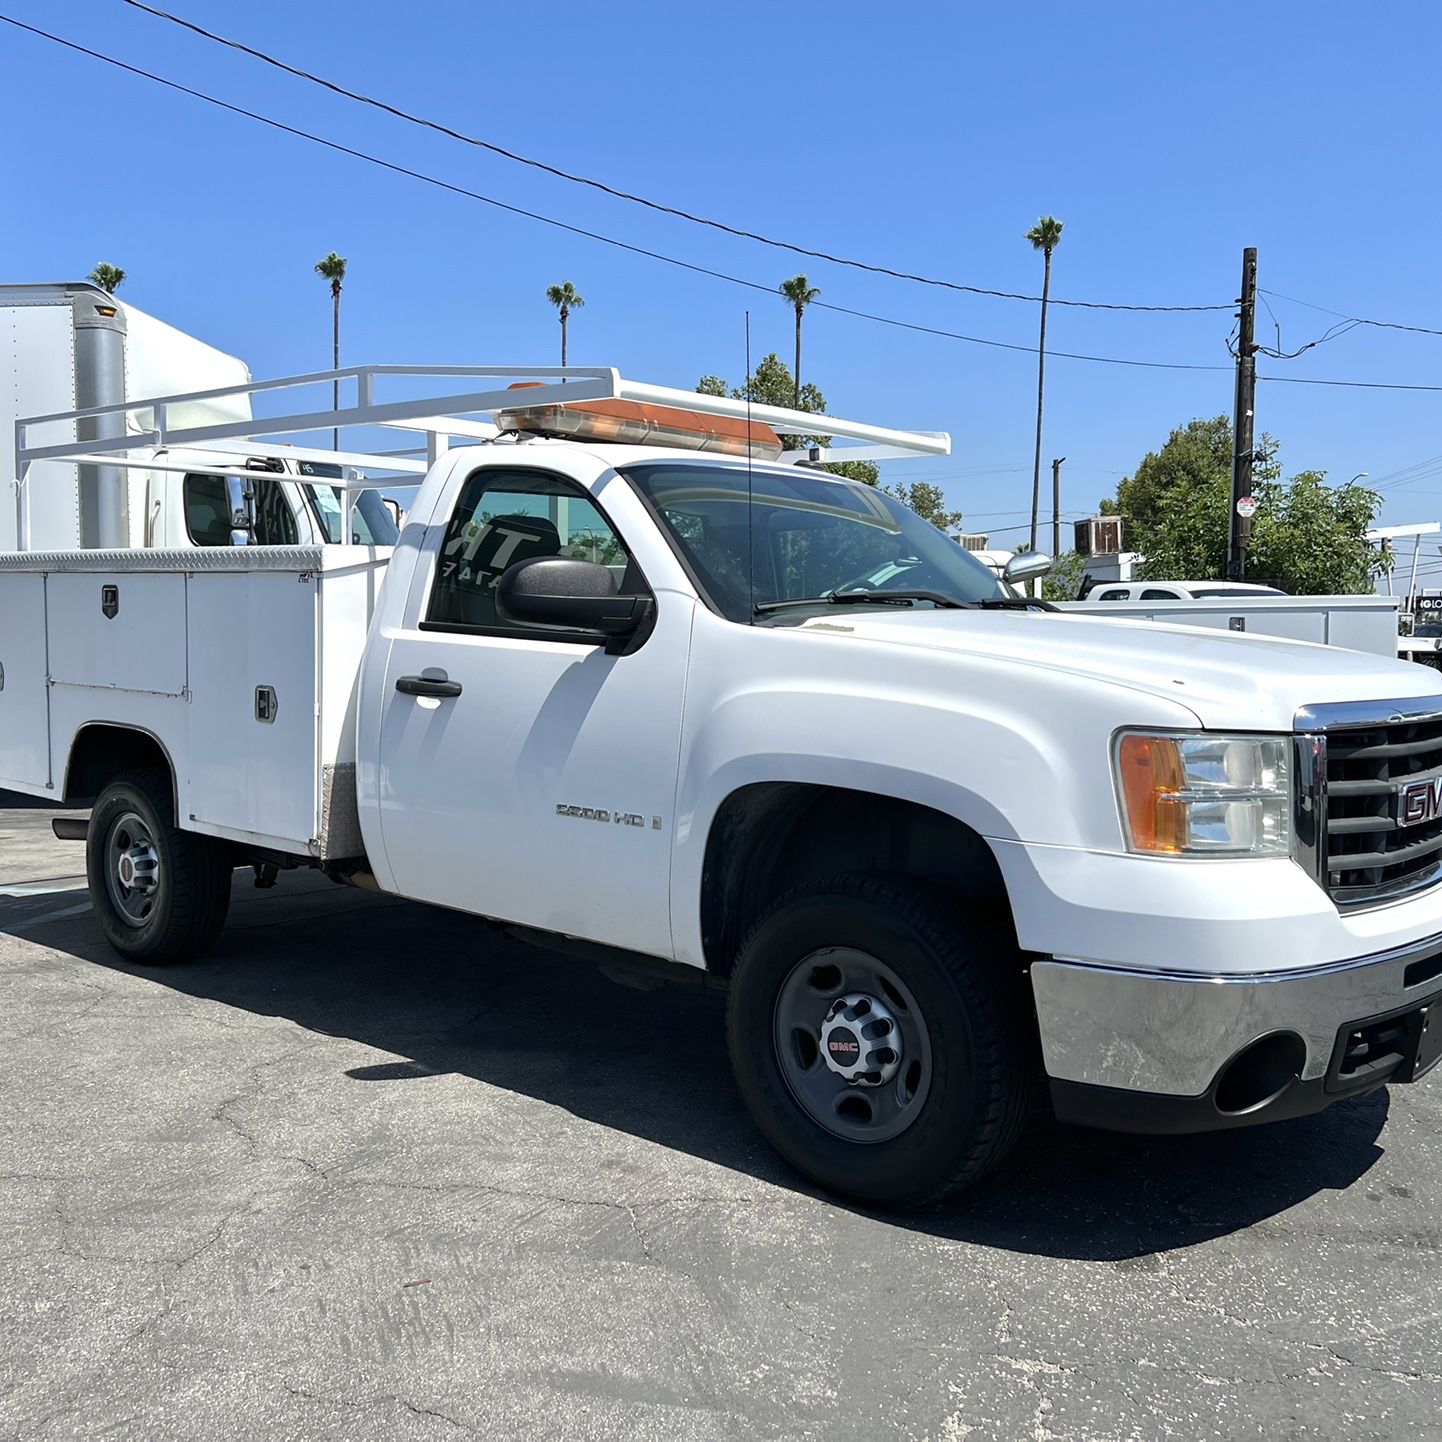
1229, 682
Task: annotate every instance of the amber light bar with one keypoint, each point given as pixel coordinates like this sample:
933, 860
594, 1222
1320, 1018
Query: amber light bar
637, 423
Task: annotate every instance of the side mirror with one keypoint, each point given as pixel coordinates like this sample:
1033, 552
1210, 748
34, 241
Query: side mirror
570, 594
240, 496
1026, 566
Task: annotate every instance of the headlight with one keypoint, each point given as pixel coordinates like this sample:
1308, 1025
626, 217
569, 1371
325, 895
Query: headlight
1203, 795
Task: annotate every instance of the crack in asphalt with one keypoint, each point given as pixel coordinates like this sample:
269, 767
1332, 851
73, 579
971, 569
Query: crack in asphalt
378, 1400
251, 1092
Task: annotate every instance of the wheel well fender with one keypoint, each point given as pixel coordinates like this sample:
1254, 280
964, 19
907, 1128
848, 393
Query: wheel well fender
767, 838
101, 751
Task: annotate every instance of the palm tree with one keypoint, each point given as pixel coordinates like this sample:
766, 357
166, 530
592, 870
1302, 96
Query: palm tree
565, 298
108, 277
332, 268
1045, 236
800, 294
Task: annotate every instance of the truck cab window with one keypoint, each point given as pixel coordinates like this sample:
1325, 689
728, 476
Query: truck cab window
1155, 593
505, 517
207, 510
1117, 593
372, 523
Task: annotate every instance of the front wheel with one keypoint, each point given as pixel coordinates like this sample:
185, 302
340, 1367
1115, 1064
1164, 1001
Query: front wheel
881, 1040
160, 893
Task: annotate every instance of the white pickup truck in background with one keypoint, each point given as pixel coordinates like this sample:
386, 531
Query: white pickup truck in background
1423, 643
625, 684
1358, 623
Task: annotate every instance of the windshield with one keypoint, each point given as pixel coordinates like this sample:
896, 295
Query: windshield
371, 521
813, 536
1429, 626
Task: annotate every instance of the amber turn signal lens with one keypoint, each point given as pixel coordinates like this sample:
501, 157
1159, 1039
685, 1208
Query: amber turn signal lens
1152, 777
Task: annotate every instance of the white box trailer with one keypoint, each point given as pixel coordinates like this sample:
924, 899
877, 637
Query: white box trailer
71, 346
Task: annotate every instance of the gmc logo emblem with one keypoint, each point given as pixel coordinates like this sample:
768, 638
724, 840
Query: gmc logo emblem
1420, 801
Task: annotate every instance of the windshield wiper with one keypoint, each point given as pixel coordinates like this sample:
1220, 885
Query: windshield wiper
1015, 603
862, 598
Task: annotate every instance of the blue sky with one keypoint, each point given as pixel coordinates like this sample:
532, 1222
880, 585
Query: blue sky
926, 137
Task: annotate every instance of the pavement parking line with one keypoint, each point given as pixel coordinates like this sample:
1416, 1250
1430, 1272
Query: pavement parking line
41, 920
43, 888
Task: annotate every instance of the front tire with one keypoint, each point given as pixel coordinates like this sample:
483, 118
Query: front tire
161, 894
881, 1040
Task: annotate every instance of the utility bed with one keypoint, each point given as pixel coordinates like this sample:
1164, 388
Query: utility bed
1356, 623
241, 662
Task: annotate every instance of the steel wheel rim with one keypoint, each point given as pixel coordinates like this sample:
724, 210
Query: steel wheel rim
132, 869
854, 1112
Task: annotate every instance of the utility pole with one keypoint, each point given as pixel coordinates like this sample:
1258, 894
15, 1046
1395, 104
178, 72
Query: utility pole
1244, 426
1056, 507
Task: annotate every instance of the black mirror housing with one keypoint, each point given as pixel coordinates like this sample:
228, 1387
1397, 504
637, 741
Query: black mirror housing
571, 595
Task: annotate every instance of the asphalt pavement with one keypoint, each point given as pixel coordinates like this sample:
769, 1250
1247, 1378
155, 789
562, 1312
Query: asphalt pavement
372, 1172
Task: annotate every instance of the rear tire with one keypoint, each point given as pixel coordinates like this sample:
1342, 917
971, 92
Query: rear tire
161, 894
924, 1008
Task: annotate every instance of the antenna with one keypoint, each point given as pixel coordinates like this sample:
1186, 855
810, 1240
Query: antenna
750, 498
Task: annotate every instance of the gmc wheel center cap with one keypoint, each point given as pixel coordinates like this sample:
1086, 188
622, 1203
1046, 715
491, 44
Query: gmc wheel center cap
860, 1040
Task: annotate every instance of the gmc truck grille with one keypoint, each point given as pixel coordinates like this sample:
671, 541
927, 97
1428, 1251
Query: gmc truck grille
1381, 809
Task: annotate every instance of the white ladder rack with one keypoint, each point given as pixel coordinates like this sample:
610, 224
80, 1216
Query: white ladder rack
439, 417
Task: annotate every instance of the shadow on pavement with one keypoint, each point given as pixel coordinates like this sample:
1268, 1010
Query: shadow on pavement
447, 995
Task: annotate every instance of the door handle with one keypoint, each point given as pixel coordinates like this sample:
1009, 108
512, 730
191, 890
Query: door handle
427, 686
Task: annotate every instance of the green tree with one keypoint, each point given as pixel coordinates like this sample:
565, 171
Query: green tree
1064, 580
108, 277
1312, 537
566, 299
772, 384
332, 268
1195, 460
1045, 236
1308, 537
929, 502
800, 294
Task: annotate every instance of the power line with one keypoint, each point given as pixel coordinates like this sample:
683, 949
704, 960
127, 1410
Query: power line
640, 250
1363, 385
1331, 333
575, 179
1009, 345
1422, 471
551, 220
1358, 320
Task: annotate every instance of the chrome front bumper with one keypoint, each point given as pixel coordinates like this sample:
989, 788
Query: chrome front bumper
1171, 1034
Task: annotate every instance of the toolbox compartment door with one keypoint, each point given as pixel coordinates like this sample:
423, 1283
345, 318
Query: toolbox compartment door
24, 693
254, 722
118, 629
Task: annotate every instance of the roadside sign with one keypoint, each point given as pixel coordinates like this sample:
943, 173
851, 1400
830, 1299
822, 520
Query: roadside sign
1246, 506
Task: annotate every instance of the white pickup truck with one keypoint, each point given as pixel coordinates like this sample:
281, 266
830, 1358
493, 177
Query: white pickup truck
1358, 623
940, 845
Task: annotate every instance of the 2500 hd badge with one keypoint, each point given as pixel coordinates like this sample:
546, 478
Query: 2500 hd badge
620, 818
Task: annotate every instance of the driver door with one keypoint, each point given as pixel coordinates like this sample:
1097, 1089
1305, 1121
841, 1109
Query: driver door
541, 788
